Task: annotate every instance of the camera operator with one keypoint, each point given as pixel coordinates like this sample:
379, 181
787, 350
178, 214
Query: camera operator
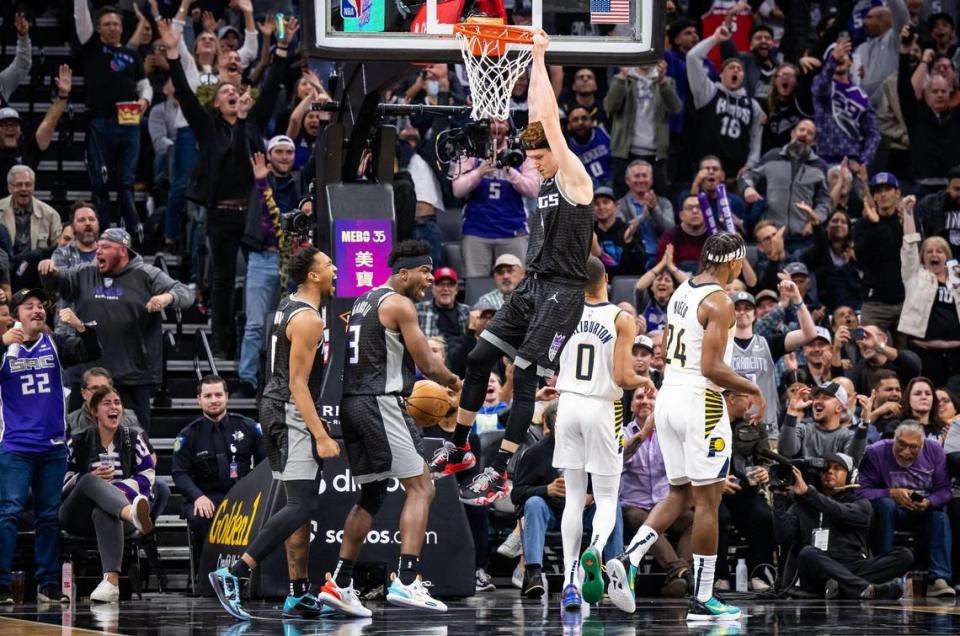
826, 434
832, 529
906, 480
494, 216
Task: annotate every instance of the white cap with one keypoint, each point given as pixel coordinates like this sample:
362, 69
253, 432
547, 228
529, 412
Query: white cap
280, 140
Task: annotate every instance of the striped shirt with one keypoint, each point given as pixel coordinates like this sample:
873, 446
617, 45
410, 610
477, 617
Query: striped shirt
139, 482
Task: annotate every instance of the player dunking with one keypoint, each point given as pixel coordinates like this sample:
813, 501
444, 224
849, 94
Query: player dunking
692, 424
534, 325
595, 367
296, 438
382, 442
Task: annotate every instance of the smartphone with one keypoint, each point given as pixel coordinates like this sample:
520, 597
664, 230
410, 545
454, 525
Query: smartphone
953, 273
915, 496
859, 334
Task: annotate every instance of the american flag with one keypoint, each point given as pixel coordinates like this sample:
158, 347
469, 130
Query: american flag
610, 11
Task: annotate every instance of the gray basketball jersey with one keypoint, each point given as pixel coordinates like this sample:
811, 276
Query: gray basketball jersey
756, 363
377, 361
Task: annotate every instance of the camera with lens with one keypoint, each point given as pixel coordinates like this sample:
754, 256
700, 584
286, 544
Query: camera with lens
513, 155
781, 473
473, 140
296, 222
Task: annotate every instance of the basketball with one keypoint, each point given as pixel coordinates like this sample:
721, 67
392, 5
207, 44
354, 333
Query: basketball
428, 403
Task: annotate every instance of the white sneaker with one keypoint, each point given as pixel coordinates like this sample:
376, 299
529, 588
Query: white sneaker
722, 585
512, 547
757, 584
343, 599
484, 582
140, 515
106, 592
413, 595
517, 578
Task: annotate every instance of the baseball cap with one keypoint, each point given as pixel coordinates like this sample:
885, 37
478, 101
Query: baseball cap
604, 191
797, 268
280, 140
832, 389
23, 294
743, 297
937, 17
840, 458
884, 178
643, 341
227, 29
767, 293
507, 259
117, 235
445, 272
483, 306
824, 333
9, 113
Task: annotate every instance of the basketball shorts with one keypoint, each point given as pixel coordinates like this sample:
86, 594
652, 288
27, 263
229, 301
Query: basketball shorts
694, 433
382, 441
588, 434
291, 450
535, 323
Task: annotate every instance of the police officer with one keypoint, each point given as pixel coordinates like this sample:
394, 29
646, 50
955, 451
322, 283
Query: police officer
211, 454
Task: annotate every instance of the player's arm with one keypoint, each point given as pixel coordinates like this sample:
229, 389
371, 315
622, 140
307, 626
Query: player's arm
623, 373
716, 315
543, 108
305, 331
400, 311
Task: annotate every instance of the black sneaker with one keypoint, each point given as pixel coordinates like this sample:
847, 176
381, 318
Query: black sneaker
6, 595
306, 606
831, 589
892, 590
485, 488
245, 390
532, 584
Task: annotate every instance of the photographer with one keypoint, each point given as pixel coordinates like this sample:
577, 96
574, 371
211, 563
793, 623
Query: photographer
826, 434
906, 480
832, 527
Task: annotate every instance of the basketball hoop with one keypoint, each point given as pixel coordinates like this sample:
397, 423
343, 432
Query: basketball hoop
495, 56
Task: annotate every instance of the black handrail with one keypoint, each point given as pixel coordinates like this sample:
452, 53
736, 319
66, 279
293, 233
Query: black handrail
162, 397
201, 343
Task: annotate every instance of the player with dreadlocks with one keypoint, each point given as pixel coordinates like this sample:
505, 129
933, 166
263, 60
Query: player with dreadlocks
693, 428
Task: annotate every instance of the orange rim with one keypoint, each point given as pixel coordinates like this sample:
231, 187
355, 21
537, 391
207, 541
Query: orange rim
495, 32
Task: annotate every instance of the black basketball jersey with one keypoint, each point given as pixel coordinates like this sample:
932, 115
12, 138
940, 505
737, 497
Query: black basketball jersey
377, 361
561, 233
724, 129
278, 353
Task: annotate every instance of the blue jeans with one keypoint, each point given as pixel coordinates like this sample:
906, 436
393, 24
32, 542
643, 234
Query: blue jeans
538, 517
183, 159
260, 296
112, 153
43, 473
427, 229
933, 527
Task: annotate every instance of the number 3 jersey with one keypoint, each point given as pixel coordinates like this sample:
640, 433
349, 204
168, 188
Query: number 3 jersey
683, 337
31, 398
377, 361
586, 364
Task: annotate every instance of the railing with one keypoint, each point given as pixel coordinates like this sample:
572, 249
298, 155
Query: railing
162, 397
202, 344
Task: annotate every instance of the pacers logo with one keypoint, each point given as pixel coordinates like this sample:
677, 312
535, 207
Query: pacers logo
716, 446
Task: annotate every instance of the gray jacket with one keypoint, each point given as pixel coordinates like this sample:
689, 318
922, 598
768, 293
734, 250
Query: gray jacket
784, 181
662, 216
13, 75
880, 56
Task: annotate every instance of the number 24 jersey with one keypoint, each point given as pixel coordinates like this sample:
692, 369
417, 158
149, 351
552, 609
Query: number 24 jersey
683, 337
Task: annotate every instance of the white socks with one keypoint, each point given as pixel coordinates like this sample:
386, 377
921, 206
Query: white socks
571, 524
703, 569
641, 543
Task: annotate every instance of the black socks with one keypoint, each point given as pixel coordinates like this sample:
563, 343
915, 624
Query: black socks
407, 570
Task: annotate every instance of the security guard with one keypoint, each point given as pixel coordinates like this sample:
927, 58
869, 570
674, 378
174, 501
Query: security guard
211, 454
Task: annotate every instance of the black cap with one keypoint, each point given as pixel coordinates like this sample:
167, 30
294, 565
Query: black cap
23, 294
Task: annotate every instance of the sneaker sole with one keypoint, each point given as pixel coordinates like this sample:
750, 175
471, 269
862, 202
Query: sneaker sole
402, 601
534, 592
142, 512
592, 587
215, 583
619, 588
453, 469
337, 605
712, 618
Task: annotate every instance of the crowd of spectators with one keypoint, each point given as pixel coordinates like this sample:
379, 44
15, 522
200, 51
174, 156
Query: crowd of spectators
830, 140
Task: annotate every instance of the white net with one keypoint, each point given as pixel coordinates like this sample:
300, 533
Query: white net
492, 76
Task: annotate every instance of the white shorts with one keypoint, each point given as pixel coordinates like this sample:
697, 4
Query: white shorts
589, 434
694, 432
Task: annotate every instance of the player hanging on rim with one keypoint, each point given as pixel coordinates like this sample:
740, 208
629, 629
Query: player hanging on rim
692, 425
297, 439
384, 342
595, 367
535, 323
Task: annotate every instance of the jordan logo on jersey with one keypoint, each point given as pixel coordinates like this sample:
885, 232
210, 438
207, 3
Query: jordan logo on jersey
555, 346
554, 298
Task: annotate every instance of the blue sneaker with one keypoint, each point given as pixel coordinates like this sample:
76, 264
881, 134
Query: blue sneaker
227, 587
306, 606
414, 595
570, 600
712, 610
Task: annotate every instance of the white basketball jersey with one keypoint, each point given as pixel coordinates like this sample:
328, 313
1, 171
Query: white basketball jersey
683, 337
586, 364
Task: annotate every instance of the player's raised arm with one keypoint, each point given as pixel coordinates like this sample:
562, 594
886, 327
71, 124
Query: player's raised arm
716, 314
305, 331
623, 373
401, 311
543, 107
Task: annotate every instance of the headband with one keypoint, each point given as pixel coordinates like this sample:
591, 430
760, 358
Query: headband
411, 262
538, 145
735, 255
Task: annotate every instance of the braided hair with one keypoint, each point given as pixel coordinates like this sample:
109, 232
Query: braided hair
722, 247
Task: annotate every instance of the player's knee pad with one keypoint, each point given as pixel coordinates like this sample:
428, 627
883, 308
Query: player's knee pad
479, 363
372, 496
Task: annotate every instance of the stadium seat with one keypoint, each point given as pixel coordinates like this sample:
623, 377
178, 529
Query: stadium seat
623, 287
475, 287
451, 225
452, 257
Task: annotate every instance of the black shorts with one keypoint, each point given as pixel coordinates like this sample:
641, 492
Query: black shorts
291, 450
535, 323
381, 439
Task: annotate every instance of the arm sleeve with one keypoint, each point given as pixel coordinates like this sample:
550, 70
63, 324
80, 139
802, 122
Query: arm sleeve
190, 106
157, 125
856, 514
269, 92
702, 88
186, 58
909, 258
83, 20
145, 90
856, 446
872, 485
791, 437
526, 180
77, 349
786, 524
248, 52
616, 97
144, 473
756, 134
181, 468
909, 104
668, 96
871, 139
11, 76
161, 283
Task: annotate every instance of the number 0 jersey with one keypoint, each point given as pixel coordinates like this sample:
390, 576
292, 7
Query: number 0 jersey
586, 364
31, 392
683, 337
